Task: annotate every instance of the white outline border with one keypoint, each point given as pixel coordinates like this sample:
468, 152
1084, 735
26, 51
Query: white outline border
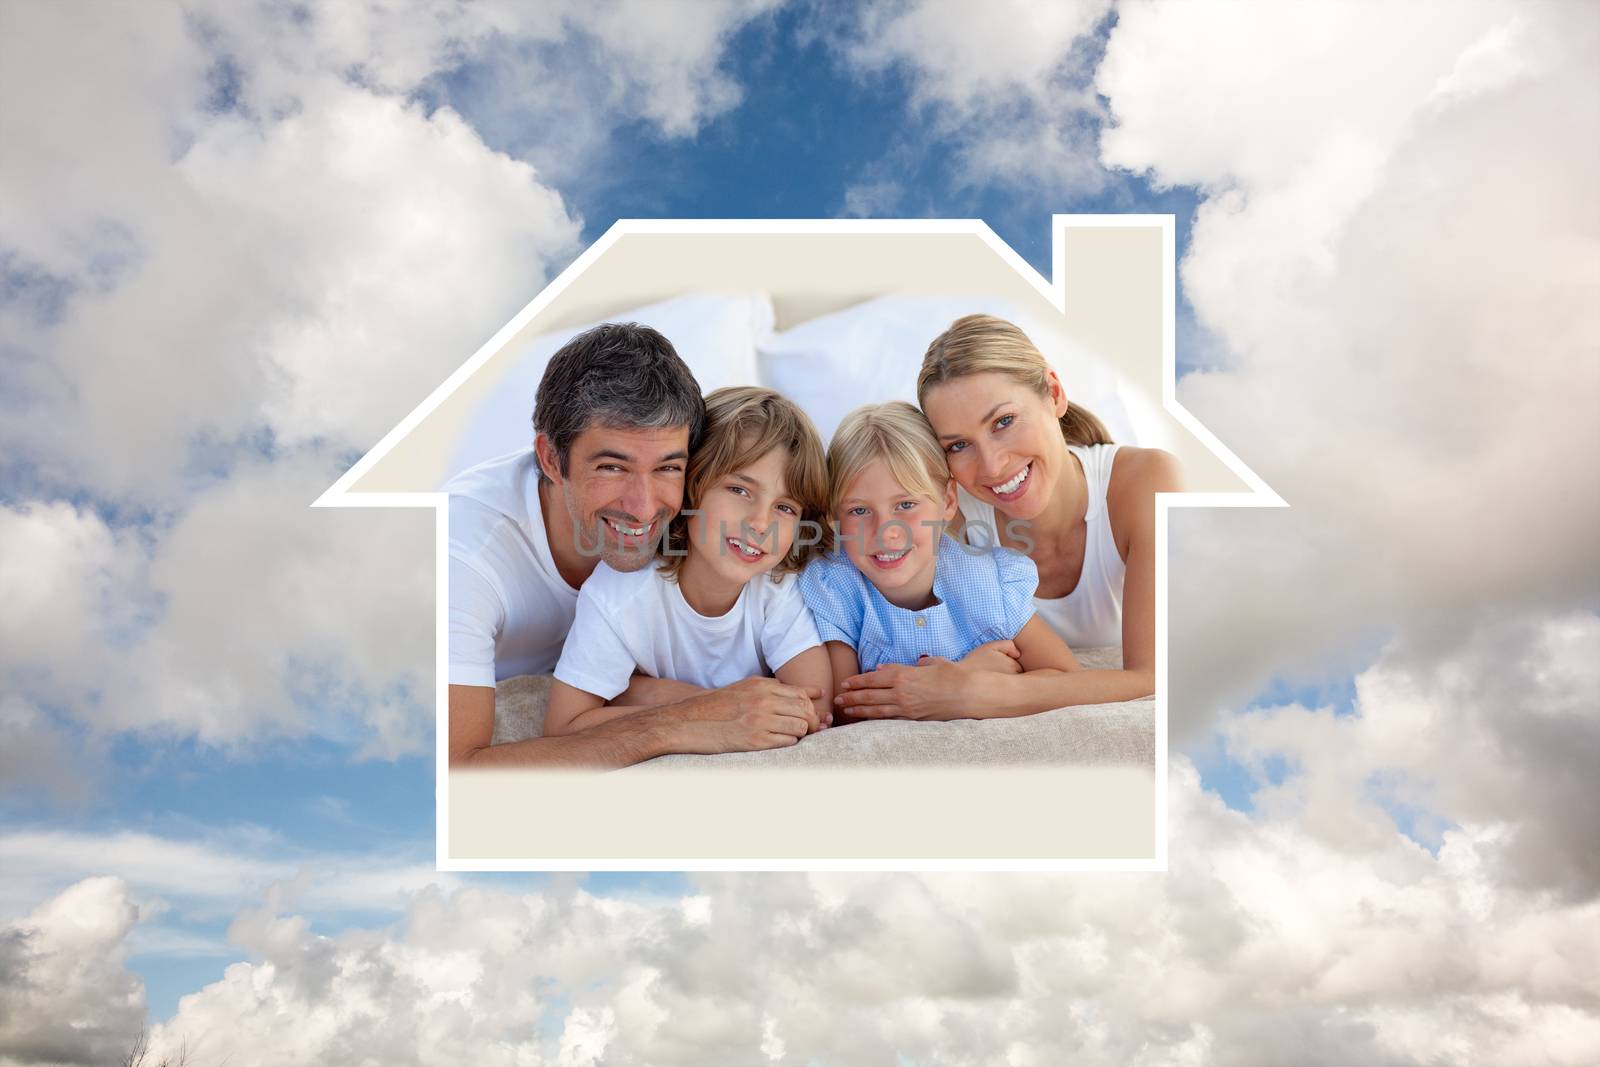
340, 494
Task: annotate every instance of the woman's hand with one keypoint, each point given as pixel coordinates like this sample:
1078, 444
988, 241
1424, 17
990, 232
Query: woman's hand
934, 689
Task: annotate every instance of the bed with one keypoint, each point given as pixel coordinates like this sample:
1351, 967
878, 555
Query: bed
1095, 734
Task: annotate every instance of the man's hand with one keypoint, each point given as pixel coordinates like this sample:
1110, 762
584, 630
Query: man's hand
1000, 656
753, 714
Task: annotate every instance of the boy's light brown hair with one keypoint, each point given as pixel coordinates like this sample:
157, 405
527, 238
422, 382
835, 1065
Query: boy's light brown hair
744, 423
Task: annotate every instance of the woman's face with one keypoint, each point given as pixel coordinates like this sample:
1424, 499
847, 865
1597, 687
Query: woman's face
747, 521
892, 534
1002, 440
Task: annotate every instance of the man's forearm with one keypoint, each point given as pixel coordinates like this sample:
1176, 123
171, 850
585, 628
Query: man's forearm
593, 718
633, 737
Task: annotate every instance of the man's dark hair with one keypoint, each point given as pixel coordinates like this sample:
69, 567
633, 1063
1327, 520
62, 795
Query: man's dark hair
617, 374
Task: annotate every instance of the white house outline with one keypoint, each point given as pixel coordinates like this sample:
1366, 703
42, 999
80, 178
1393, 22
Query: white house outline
1260, 494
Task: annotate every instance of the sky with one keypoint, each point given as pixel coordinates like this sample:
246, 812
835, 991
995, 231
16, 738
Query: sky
216, 802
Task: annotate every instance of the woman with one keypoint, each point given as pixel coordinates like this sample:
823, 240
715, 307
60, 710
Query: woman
1044, 477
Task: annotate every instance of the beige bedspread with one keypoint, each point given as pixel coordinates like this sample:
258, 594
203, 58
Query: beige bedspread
1120, 733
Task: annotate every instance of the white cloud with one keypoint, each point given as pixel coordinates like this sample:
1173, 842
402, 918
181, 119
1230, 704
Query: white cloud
70, 586
396, 242
311, 277
252, 615
966, 58
1393, 265
1453, 731
1287, 934
872, 199
65, 995
1399, 265
130, 86
665, 55
1311, 930
278, 619
1396, 261
203, 878
1004, 83
37, 754
1257, 94
249, 250
293, 274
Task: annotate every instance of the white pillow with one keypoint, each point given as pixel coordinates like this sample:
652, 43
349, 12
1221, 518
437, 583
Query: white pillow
715, 333
871, 352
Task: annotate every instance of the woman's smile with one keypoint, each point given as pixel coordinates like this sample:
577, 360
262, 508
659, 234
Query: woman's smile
1013, 487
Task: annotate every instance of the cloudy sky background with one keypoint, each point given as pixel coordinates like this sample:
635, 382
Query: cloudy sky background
239, 241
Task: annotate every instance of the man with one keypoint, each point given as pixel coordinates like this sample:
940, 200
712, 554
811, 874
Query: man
616, 416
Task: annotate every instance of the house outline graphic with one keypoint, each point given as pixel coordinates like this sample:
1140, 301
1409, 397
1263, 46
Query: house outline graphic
386, 477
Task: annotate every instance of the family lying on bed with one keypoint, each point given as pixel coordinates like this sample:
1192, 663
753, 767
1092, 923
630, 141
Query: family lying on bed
702, 578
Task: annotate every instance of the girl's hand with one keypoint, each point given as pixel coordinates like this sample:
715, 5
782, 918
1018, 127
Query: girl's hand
934, 689
1002, 657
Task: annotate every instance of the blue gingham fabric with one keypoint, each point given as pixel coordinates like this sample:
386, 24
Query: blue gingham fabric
983, 595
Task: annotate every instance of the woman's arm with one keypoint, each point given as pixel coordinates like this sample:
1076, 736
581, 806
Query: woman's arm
939, 689
1136, 477
1041, 648
812, 669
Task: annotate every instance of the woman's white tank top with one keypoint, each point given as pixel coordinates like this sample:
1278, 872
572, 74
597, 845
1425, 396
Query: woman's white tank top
1091, 615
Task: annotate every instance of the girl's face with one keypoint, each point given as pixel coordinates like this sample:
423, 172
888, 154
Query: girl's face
1002, 440
747, 521
892, 535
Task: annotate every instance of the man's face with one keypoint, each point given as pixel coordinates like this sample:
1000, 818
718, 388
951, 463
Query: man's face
621, 489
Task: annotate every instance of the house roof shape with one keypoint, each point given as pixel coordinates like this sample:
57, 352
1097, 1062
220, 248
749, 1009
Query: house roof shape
1103, 266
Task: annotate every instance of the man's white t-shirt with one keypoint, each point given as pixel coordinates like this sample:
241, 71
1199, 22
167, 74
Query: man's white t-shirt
510, 609
639, 620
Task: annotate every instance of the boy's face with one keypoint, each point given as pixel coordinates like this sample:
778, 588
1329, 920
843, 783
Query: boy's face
892, 535
748, 519
621, 489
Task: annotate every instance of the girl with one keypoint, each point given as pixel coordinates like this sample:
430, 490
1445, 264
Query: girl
1041, 474
717, 608
904, 592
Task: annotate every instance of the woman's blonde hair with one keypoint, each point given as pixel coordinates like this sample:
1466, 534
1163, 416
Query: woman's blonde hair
897, 434
975, 344
744, 423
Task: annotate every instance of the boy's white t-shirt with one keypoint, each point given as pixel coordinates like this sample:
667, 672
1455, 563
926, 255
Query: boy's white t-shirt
640, 621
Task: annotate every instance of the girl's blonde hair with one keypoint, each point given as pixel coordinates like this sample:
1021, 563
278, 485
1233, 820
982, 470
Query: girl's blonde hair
897, 434
744, 423
975, 344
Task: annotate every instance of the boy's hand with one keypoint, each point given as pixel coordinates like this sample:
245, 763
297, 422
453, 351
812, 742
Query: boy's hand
999, 656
